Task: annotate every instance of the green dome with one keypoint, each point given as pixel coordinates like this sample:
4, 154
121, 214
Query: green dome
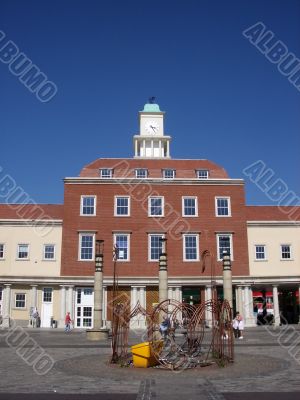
150, 107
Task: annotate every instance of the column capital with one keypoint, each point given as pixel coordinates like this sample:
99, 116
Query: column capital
136, 286
33, 285
275, 285
7, 284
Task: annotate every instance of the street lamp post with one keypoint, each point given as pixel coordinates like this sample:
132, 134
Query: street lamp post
163, 271
98, 332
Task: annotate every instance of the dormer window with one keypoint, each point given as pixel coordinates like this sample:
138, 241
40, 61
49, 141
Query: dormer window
106, 173
202, 173
141, 173
169, 173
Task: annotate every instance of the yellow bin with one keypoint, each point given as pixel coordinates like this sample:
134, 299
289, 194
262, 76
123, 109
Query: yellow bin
142, 355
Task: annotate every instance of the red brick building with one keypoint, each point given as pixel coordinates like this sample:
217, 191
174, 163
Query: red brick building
134, 202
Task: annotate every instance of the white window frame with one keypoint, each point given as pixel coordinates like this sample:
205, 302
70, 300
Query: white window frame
265, 252
3, 258
84, 196
149, 244
168, 177
44, 252
107, 169
162, 206
231, 245
115, 207
141, 169
43, 292
25, 301
28, 255
196, 206
79, 246
128, 245
216, 206
197, 248
291, 253
202, 170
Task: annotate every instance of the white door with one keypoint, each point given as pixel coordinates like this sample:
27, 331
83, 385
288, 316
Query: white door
84, 308
47, 308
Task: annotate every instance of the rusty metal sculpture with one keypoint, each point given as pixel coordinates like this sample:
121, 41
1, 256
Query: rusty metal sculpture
186, 342
178, 332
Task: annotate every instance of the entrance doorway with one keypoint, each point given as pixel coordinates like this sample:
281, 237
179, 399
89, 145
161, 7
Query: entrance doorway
84, 308
289, 306
191, 295
47, 308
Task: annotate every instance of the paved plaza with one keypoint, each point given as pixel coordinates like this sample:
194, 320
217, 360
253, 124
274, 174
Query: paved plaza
266, 363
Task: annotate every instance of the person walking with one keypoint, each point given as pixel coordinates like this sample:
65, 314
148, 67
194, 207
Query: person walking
68, 322
35, 316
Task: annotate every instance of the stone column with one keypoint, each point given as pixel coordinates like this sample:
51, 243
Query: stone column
178, 294
160, 150
276, 306
98, 298
252, 306
62, 292
236, 299
168, 148
33, 303
208, 312
143, 296
69, 303
227, 278
104, 313
152, 149
33, 295
178, 297
142, 300
135, 147
6, 305
163, 278
133, 302
144, 148
249, 318
240, 300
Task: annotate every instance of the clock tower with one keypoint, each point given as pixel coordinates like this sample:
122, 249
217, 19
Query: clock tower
151, 141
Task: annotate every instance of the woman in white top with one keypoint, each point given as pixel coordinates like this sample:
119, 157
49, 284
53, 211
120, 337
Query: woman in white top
238, 326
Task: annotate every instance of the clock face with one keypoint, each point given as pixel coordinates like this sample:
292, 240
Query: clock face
152, 127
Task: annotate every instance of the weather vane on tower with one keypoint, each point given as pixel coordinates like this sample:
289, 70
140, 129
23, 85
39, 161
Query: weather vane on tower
151, 99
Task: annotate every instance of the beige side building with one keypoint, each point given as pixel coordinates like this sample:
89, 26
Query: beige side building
274, 262
30, 260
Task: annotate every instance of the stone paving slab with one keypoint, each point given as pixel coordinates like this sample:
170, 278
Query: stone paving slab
262, 365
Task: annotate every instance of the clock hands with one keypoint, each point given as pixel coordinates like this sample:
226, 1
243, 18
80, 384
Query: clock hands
153, 128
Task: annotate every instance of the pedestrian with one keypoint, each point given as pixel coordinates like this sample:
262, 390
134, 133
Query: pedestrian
35, 316
68, 322
238, 326
165, 326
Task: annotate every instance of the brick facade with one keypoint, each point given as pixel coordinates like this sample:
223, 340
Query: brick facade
139, 225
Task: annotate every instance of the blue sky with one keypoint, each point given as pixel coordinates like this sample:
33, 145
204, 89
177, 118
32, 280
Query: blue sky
224, 100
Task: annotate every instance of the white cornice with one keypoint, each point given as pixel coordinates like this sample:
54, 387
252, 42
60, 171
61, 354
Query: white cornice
269, 224
154, 181
152, 281
30, 222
